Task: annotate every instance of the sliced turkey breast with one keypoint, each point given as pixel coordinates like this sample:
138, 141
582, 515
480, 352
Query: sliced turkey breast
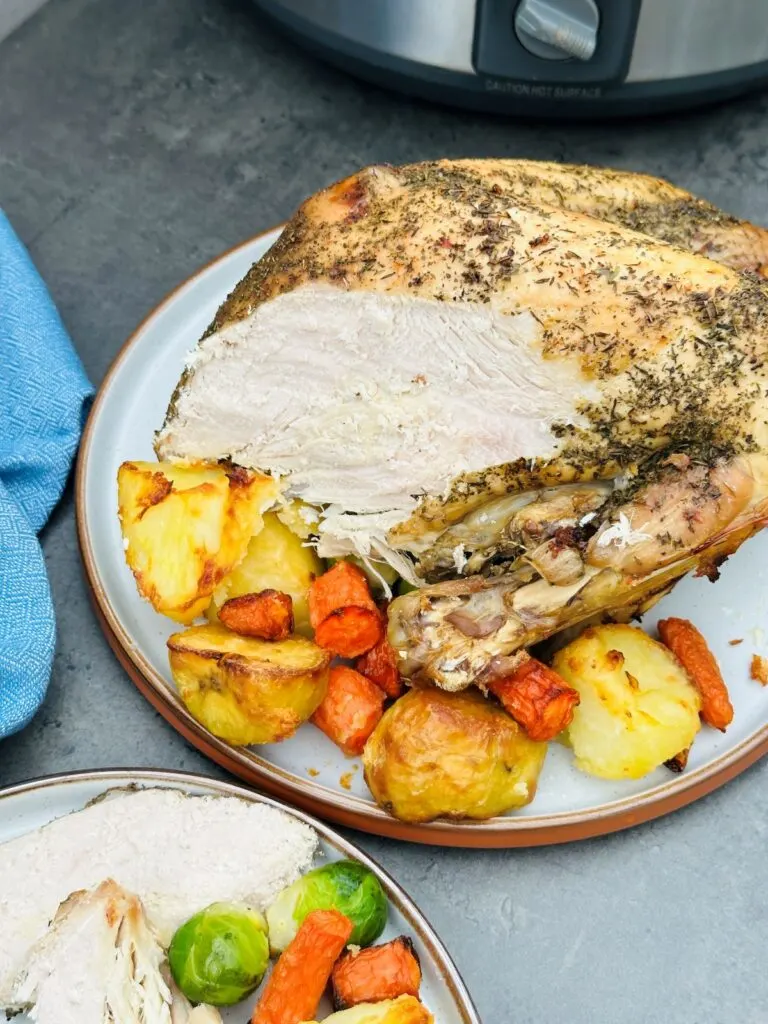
431, 353
177, 853
98, 963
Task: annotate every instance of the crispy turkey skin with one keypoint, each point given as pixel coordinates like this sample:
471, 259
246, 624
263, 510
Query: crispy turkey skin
504, 379
639, 202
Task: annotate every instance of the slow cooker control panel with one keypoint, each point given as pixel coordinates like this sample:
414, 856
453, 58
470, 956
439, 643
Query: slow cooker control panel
555, 40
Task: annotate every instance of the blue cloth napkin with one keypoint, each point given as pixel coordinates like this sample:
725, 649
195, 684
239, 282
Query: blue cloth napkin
43, 390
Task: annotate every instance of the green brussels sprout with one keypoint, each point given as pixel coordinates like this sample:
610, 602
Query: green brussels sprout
219, 956
404, 587
344, 885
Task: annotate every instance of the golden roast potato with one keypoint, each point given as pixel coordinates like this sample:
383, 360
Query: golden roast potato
276, 559
246, 690
455, 755
405, 1010
300, 518
186, 527
638, 706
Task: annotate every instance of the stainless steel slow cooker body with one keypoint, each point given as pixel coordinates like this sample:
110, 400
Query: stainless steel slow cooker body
542, 57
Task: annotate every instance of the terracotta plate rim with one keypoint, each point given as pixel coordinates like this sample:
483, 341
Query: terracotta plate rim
397, 895
501, 832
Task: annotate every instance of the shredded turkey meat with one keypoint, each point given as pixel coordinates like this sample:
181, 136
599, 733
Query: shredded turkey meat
98, 963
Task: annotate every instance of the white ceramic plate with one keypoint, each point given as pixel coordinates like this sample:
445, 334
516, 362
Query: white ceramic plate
33, 804
308, 769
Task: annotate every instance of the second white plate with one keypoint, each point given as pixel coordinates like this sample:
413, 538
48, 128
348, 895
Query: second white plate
31, 805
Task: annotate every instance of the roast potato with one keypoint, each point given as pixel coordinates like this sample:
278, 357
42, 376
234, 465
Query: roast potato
185, 527
276, 559
246, 690
638, 706
405, 1010
300, 518
455, 755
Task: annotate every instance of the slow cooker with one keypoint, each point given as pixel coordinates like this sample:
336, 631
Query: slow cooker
542, 57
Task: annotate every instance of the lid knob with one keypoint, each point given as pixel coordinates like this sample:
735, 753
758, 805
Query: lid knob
558, 29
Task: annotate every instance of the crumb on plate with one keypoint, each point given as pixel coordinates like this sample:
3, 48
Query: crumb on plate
758, 669
346, 779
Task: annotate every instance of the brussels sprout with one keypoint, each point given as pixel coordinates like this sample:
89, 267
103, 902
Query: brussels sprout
344, 885
219, 956
404, 587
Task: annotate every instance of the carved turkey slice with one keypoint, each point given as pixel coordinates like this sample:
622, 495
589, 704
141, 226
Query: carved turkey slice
98, 963
481, 374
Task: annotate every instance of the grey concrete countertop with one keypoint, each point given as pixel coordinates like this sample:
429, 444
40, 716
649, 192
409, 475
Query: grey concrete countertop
139, 140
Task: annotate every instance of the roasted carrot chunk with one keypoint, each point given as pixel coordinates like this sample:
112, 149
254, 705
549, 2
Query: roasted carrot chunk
296, 985
267, 614
537, 698
691, 650
342, 586
349, 632
350, 710
342, 611
377, 973
380, 665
